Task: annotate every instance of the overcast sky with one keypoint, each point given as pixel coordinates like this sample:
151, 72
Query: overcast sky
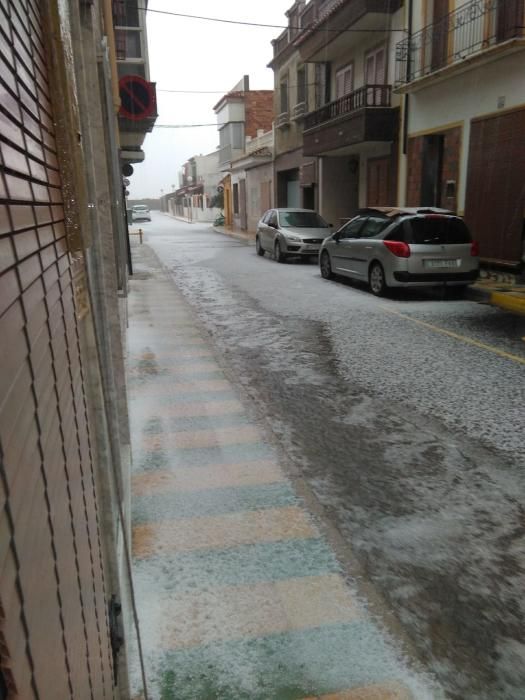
191, 54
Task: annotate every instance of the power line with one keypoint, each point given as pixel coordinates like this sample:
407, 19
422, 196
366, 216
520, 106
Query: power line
181, 126
267, 26
225, 92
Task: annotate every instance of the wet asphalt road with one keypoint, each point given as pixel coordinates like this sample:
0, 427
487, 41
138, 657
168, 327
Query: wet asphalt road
407, 440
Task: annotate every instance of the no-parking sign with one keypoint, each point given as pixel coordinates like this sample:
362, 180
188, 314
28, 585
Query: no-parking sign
137, 98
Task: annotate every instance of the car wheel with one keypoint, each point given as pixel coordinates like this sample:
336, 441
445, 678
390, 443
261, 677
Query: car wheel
258, 247
326, 266
376, 280
279, 255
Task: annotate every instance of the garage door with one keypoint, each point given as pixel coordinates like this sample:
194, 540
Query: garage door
54, 641
495, 199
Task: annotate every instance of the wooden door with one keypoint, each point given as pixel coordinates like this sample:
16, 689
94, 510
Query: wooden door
379, 182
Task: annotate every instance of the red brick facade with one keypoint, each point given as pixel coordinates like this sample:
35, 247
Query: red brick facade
450, 167
258, 105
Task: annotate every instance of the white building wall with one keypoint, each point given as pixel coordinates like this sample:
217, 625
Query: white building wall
457, 100
231, 112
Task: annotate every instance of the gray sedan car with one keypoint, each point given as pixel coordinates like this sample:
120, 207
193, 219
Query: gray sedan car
285, 232
391, 247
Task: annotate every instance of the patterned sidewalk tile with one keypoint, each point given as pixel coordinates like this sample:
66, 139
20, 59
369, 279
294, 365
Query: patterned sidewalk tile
212, 502
257, 610
230, 530
210, 477
236, 435
289, 666
245, 564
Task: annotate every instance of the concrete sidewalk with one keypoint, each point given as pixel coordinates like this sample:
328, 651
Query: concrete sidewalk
504, 294
240, 596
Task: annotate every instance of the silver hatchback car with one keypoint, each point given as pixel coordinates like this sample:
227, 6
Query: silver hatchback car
285, 232
391, 247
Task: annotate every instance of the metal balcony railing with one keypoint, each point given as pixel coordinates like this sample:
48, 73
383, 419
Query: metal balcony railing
366, 96
472, 28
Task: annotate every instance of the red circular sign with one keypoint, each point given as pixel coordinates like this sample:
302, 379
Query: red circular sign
137, 98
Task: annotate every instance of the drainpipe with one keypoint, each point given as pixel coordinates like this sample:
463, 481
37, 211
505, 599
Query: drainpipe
407, 96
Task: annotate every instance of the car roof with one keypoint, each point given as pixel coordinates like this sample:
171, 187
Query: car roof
279, 209
406, 211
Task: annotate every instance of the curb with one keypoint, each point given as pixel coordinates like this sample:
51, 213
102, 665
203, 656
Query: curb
248, 238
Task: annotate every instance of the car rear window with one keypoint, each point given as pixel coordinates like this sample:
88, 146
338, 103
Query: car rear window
436, 230
301, 219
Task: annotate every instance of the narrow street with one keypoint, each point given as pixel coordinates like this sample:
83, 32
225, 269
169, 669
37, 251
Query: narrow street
368, 455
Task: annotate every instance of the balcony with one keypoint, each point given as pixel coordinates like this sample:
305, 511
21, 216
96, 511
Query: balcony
282, 120
324, 38
475, 31
362, 116
298, 111
280, 43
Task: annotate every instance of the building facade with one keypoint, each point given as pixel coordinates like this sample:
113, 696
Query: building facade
252, 181
195, 199
296, 182
64, 433
242, 115
462, 69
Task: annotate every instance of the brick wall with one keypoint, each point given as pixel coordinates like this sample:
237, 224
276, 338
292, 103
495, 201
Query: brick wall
258, 105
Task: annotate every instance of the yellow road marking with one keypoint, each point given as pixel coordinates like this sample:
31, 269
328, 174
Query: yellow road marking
458, 336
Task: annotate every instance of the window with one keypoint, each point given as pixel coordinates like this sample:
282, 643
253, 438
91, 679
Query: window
283, 96
237, 135
272, 219
373, 226
322, 84
125, 13
301, 219
235, 198
437, 230
375, 67
351, 229
127, 44
266, 217
344, 81
302, 86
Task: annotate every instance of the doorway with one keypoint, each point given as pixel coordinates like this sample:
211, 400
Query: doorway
432, 174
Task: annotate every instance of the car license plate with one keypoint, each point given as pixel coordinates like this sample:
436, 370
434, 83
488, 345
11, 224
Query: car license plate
441, 263
311, 247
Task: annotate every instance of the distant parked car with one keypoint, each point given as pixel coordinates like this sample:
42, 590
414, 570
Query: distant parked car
140, 212
285, 232
402, 247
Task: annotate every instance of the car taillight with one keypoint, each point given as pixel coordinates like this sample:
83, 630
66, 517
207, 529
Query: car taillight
474, 248
398, 248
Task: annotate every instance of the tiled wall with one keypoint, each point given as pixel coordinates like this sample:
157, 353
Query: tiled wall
54, 639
